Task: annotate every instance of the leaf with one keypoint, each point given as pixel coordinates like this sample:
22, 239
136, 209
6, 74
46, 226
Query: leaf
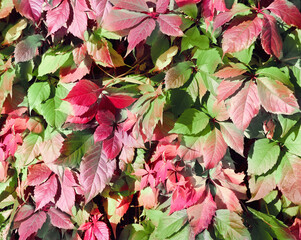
165, 58
170, 224
45, 192
276, 97
286, 11
27, 49
170, 24
50, 148
226, 198
293, 140
190, 122
200, 215
241, 36
31, 225
96, 170
263, 157
37, 93
14, 32
58, 16
67, 197
75, 146
120, 19
52, 61
101, 231
31, 9
271, 224
84, 93
230, 225
207, 60
232, 71
193, 38
121, 100
227, 88
59, 219
270, 38
214, 148
289, 183
24, 212
275, 74
177, 76
162, 6
112, 146
38, 174
233, 137
261, 186
133, 5
244, 106
6, 6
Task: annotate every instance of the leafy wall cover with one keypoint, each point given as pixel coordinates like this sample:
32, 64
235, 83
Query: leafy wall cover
159, 119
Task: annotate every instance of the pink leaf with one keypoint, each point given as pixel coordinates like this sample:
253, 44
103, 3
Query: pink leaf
6, 10
24, 212
120, 19
275, 97
59, 219
38, 174
200, 214
112, 146
67, 198
214, 148
233, 137
227, 88
170, 24
102, 132
270, 38
31, 225
181, 3
140, 33
232, 71
162, 6
84, 93
99, 9
241, 36
101, 231
120, 100
286, 11
96, 170
80, 21
225, 198
31, 9
45, 192
57, 17
50, 149
105, 117
261, 186
133, 5
244, 106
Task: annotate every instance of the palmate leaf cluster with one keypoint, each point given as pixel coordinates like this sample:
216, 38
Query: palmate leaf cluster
160, 119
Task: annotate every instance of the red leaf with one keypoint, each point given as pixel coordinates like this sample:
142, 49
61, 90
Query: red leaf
182, 3
45, 192
99, 9
225, 198
211, 6
275, 97
232, 71
112, 146
101, 231
244, 106
59, 219
214, 148
140, 33
270, 38
38, 173
24, 212
121, 101
295, 229
57, 17
31, 9
120, 19
133, 5
80, 21
241, 36
162, 6
233, 137
67, 199
31, 225
96, 170
170, 24
286, 11
227, 88
105, 117
84, 93
102, 132
200, 214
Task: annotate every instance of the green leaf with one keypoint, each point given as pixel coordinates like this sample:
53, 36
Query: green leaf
37, 93
178, 75
191, 122
74, 147
276, 74
293, 141
165, 58
52, 113
170, 224
159, 44
263, 156
14, 32
229, 225
193, 38
52, 61
207, 60
183, 233
180, 101
245, 55
190, 9
272, 225
287, 122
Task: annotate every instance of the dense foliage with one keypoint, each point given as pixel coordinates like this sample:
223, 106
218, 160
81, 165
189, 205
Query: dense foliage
160, 119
